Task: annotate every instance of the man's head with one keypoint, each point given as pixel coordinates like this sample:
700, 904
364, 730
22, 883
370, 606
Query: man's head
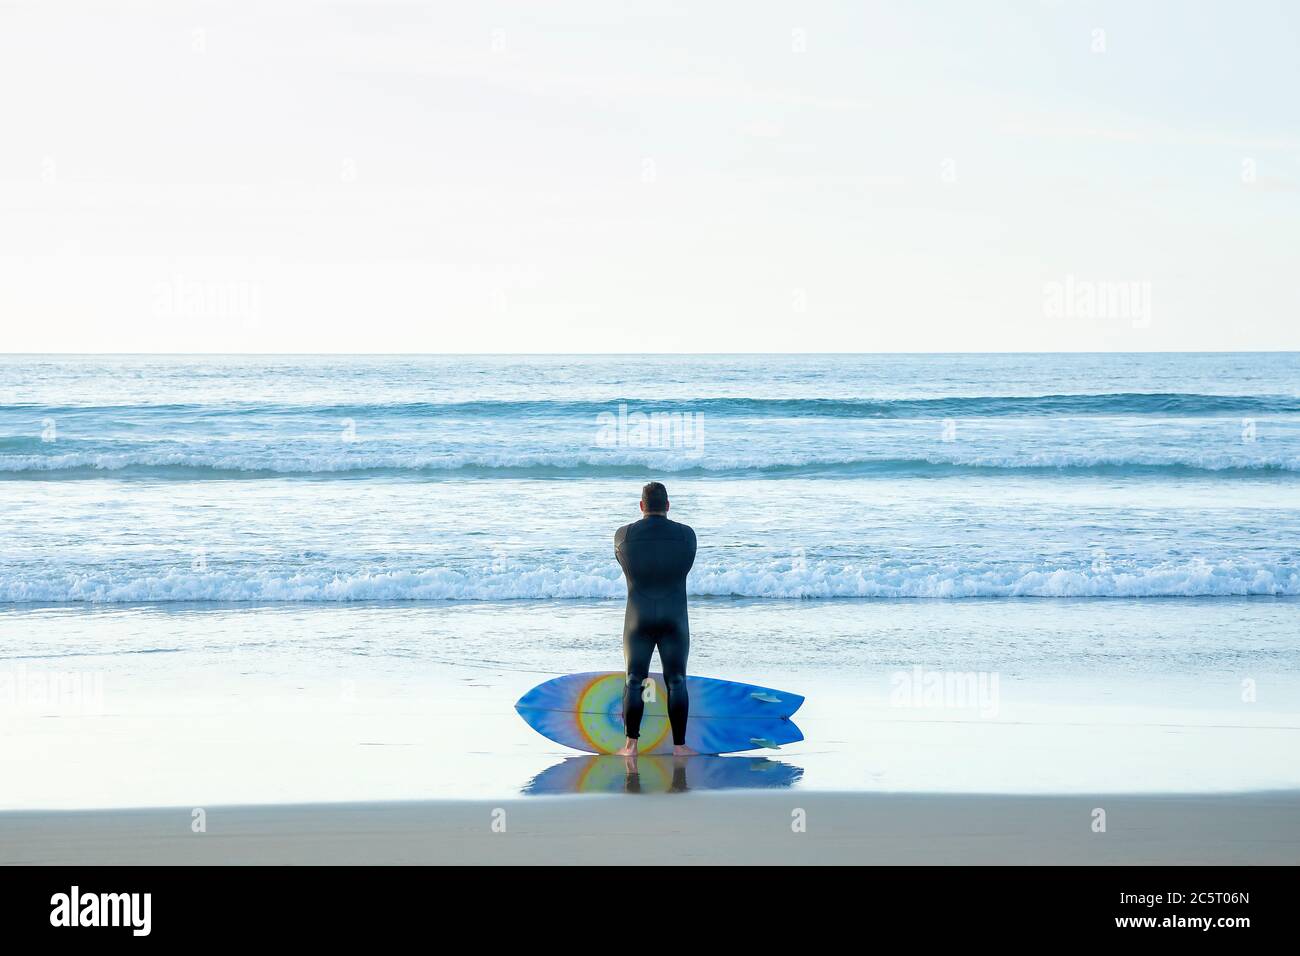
654, 499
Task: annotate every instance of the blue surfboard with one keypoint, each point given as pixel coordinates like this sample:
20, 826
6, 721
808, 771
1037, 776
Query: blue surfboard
585, 712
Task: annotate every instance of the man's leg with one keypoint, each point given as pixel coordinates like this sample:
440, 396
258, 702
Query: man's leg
637, 648
674, 648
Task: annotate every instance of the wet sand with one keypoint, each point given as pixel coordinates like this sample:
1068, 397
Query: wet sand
789, 827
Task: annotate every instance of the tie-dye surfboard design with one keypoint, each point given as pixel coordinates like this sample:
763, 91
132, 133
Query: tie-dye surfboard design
585, 712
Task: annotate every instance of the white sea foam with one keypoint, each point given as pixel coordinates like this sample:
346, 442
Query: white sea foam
772, 580
331, 460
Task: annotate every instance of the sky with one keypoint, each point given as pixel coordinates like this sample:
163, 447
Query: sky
279, 176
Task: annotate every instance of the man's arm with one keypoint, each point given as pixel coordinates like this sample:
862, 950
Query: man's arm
619, 537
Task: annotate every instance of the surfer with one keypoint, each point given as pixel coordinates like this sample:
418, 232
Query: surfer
655, 554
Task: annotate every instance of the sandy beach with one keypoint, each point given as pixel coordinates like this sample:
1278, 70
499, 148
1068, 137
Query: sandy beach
341, 758
751, 828
273, 759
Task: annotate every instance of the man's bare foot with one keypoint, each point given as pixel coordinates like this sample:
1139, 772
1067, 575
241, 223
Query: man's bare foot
629, 749
684, 751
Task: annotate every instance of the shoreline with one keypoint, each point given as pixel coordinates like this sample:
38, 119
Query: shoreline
1255, 828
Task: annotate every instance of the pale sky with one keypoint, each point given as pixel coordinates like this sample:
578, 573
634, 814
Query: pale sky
274, 176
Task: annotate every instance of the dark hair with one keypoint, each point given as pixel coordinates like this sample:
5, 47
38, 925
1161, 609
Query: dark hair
654, 496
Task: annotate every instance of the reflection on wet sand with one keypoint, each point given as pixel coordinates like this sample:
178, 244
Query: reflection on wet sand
662, 774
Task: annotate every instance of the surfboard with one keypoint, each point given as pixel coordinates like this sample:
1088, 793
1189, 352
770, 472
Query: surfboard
585, 712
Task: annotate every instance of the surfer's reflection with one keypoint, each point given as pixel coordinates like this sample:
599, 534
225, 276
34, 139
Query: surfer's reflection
662, 774
632, 775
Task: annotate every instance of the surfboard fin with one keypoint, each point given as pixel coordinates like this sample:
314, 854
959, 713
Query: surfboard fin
765, 697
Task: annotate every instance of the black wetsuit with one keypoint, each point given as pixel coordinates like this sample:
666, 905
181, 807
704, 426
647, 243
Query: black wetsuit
655, 555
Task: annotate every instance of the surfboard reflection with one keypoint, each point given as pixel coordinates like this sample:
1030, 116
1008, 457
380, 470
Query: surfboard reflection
662, 774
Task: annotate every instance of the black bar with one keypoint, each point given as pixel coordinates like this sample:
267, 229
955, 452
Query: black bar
335, 904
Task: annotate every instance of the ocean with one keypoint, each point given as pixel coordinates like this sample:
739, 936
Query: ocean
1099, 527
141, 479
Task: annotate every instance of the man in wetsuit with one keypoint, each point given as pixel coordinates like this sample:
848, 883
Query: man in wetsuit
655, 555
